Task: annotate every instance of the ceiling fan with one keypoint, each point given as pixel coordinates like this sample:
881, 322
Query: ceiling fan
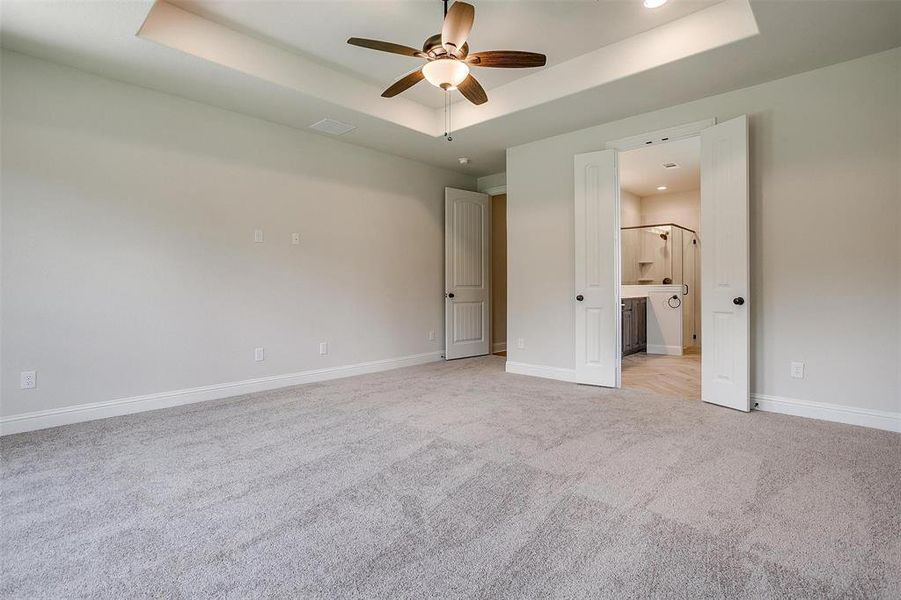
447, 57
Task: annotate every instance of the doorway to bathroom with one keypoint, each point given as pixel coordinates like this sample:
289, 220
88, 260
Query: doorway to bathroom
660, 212
723, 277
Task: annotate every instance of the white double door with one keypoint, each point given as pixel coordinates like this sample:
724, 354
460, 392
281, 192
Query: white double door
467, 273
725, 310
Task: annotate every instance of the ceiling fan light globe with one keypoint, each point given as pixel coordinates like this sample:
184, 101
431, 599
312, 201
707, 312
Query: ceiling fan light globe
445, 73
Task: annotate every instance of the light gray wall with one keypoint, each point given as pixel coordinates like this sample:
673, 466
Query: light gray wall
825, 231
681, 208
630, 206
128, 259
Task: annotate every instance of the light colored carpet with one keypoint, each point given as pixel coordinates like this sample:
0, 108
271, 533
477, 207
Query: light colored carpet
452, 480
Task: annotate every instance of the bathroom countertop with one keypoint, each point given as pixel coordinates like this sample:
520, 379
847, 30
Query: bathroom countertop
641, 291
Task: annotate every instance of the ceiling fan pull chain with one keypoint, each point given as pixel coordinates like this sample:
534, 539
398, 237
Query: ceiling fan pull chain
447, 116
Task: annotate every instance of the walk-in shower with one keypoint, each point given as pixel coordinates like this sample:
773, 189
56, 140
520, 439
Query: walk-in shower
659, 254
662, 255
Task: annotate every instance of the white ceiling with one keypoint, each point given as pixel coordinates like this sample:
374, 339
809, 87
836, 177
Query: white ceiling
641, 170
99, 36
319, 30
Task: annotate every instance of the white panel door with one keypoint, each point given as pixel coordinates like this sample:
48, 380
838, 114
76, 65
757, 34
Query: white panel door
597, 290
467, 270
725, 310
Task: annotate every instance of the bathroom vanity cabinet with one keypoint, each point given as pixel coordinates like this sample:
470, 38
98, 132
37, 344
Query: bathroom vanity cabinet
635, 325
652, 317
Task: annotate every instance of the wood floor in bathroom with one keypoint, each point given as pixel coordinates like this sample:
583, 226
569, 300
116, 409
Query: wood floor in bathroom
676, 376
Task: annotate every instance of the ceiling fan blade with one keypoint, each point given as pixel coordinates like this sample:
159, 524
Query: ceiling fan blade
473, 91
404, 83
457, 25
507, 59
386, 47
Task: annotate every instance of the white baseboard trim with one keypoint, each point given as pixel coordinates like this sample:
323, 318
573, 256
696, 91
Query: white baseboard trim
865, 417
557, 373
124, 406
668, 350
499, 347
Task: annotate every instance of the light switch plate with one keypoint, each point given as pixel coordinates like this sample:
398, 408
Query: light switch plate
323, 348
295, 239
258, 236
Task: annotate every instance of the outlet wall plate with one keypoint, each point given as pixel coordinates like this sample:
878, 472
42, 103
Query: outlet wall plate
28, 380
797, 370
323, 348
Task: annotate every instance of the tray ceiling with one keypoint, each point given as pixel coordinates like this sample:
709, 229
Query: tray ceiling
269, 69
319, 30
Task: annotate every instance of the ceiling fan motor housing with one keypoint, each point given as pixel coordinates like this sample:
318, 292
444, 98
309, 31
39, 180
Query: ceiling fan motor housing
434, 49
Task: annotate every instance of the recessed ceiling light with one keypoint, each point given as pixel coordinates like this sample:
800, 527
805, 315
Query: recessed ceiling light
654, 3
661, 188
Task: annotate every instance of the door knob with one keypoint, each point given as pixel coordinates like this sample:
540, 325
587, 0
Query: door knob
580, 297
450, 295
738, 301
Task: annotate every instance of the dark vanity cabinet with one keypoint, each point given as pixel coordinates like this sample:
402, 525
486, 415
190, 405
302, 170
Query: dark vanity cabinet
635, 325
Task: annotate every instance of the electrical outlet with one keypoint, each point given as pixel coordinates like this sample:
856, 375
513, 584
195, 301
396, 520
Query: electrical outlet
259, 354
28, 380
323, 348
258, 236
295, 239
520, 343
431, 336
797, 370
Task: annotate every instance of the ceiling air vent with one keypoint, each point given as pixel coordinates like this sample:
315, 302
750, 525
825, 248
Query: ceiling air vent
670, 166
332, 127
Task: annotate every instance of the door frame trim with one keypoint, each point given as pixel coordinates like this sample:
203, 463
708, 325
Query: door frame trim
660, 136
651, 138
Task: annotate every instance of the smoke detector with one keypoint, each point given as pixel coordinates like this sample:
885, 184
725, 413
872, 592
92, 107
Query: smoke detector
332, 127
